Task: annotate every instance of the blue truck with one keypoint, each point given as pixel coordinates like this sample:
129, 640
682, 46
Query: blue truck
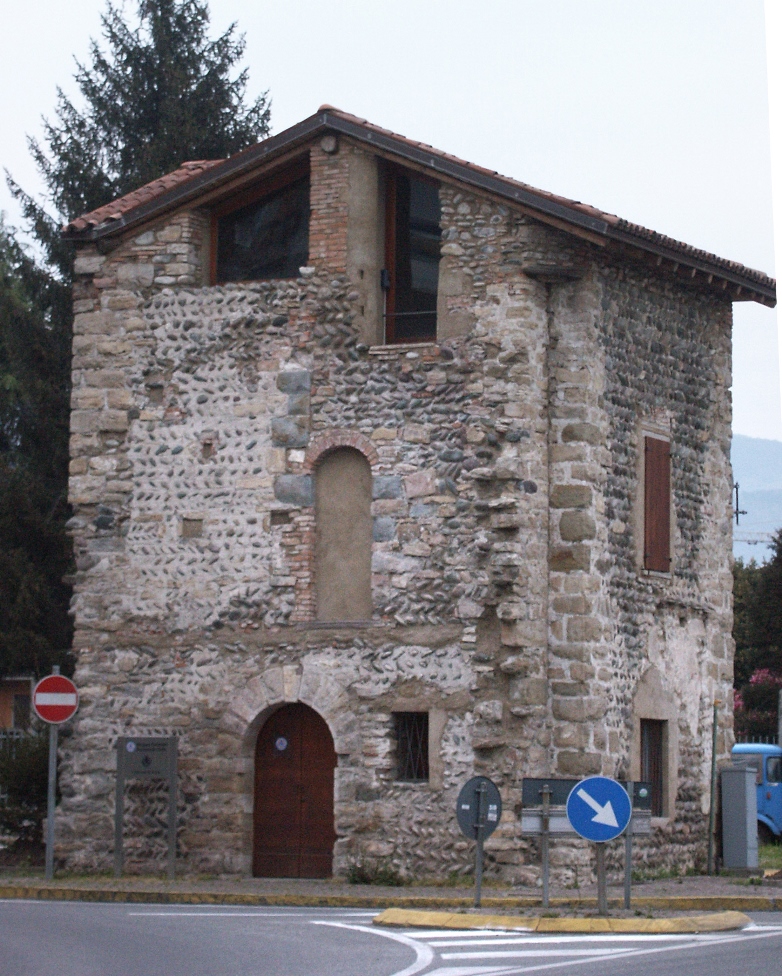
767, 760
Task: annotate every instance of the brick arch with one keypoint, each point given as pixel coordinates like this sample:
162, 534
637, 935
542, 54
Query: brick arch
329, 440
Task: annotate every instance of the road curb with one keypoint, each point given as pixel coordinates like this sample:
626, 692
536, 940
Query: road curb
715, 922
174, 896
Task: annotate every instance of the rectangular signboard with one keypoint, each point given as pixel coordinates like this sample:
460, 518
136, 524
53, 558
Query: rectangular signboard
145, 757
642, 796
532, 792
558, 823
148, 758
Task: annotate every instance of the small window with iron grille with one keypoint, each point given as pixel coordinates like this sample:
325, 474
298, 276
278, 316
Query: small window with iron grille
412, 746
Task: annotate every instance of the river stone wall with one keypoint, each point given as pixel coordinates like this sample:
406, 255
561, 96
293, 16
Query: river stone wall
507, 596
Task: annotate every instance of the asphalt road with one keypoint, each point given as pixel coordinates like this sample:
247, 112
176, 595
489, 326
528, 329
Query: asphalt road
82, 939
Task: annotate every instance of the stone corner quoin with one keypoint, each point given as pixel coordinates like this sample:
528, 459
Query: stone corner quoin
507, 599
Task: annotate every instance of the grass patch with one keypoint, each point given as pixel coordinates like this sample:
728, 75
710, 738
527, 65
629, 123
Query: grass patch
770, 856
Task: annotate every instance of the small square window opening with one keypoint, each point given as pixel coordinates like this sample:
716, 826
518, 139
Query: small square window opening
192, 528
412, 746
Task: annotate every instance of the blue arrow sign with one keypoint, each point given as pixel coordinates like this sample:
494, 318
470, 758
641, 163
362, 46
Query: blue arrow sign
598, 809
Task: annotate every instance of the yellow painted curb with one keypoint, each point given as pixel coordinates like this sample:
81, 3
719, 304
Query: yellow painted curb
716, 922
173, 895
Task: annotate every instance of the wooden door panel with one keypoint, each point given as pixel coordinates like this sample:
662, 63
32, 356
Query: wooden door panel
294, 796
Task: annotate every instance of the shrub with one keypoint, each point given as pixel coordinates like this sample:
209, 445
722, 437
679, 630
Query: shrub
24, 770
374, 874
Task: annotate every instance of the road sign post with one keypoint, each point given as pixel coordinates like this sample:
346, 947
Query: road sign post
545, 814
544, 851
629, 786
478, 812
599, 809
55, 700
481, 795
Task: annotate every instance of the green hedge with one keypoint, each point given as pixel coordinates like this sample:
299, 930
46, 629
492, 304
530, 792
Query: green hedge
24, 765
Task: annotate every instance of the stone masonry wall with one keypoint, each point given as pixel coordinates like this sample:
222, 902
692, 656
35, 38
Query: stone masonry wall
504, 602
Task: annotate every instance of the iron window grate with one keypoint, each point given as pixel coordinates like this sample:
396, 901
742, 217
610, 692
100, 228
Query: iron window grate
412, 746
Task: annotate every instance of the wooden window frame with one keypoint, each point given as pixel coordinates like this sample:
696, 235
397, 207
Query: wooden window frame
657, 730
389, 305
267, 187
391, 176
657, 551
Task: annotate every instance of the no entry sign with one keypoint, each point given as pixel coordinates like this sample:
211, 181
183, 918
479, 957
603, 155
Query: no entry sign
55, 699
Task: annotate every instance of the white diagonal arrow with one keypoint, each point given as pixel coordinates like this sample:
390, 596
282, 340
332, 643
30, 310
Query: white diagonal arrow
603, 815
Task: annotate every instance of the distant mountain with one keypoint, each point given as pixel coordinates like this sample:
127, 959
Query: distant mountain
757, 467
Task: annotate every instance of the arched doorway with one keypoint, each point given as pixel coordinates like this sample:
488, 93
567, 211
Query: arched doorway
293, 812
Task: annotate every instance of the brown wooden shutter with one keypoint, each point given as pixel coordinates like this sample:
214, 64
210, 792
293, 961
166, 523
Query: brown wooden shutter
657, 505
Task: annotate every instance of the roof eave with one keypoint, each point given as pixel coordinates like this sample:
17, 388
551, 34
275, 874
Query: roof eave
209, 179
737, 286
742, 287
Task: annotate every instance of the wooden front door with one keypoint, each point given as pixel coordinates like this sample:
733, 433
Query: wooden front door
293, 812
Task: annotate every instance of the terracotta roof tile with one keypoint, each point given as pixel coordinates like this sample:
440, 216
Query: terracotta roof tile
172, 191
118, 208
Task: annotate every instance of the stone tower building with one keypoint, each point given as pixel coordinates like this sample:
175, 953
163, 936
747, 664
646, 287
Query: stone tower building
386, 471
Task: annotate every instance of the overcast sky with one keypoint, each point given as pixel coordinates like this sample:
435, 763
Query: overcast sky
656, 110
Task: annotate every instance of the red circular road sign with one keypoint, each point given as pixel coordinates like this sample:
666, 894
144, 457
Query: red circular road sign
55, 699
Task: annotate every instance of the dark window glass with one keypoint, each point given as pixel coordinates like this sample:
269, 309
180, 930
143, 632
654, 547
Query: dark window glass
21, 711
774, 769
652, 743
413, 258
412, 746
756, 762
266, 239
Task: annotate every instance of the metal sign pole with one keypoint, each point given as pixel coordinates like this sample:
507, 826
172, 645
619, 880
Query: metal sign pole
629, 847
119, 809
480, 791
713, 792
546, 792
602, 901
51, 799
172, 791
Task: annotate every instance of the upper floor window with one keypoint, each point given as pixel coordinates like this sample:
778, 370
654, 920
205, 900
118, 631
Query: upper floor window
264, 234
412, 257
657, 504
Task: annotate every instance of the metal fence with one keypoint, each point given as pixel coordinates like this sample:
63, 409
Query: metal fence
760, 740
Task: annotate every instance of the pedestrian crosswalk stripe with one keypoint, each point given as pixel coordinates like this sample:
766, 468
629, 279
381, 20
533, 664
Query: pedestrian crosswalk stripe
532, 953
503, 938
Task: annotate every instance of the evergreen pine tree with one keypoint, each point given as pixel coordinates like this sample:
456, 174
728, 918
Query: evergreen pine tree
156, 93
34, 393
160, 93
